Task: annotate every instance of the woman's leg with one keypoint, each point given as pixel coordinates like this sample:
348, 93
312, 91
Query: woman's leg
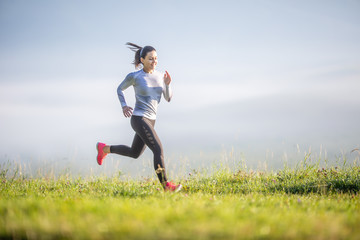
136, 149
144, 128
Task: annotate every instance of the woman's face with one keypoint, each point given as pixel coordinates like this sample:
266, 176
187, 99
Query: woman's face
150, 61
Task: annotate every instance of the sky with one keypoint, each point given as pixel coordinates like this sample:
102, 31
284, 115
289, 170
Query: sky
260, 81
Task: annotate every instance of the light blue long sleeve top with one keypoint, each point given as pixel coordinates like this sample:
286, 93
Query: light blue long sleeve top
148, 90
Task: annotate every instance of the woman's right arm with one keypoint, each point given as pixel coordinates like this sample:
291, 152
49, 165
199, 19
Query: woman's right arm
127, 111
128, 81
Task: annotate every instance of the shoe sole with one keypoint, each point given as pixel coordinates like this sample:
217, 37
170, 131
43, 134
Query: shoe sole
97, 149
178, 188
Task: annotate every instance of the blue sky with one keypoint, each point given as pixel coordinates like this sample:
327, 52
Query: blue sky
256, 76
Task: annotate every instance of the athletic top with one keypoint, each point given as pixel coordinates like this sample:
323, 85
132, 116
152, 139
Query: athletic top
148, 89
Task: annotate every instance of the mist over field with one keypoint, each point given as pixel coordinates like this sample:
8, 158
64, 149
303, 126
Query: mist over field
271, 131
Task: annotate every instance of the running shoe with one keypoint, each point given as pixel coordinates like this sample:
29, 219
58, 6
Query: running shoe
101, 155
171, 187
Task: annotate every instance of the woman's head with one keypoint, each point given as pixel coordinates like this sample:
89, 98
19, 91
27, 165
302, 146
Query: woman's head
146, 55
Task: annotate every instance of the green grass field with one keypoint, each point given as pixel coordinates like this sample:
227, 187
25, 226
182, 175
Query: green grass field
304, 202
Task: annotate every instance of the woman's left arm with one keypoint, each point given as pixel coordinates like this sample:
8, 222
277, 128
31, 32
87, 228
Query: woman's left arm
167, 89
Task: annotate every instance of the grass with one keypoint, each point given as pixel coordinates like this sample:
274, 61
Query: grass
304, 202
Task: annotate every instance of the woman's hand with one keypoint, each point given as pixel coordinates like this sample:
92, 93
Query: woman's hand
127, 111
167, 78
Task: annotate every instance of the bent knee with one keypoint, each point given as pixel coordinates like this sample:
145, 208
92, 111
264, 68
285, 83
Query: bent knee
135, 155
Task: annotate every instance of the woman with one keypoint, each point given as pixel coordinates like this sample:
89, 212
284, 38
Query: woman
149, 85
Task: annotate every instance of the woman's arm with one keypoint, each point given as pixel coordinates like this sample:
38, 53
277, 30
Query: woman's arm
128, 81
127, 111
167, 92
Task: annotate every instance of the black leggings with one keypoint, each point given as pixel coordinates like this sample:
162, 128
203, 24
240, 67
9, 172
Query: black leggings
145, 136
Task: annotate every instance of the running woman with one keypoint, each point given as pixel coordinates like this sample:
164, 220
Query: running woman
149, 85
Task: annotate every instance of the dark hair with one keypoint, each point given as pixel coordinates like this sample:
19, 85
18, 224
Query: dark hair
139, 50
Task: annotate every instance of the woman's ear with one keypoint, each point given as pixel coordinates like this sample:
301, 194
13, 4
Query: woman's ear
141, 60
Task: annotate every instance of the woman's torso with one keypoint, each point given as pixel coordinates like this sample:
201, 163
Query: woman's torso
148, 90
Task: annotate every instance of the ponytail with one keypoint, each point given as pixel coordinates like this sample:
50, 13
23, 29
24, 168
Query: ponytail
140, 52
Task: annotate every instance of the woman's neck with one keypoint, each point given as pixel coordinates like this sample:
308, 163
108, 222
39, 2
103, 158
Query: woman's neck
148, 70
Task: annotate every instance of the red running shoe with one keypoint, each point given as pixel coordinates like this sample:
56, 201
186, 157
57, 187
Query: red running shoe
101, 155
172, 187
